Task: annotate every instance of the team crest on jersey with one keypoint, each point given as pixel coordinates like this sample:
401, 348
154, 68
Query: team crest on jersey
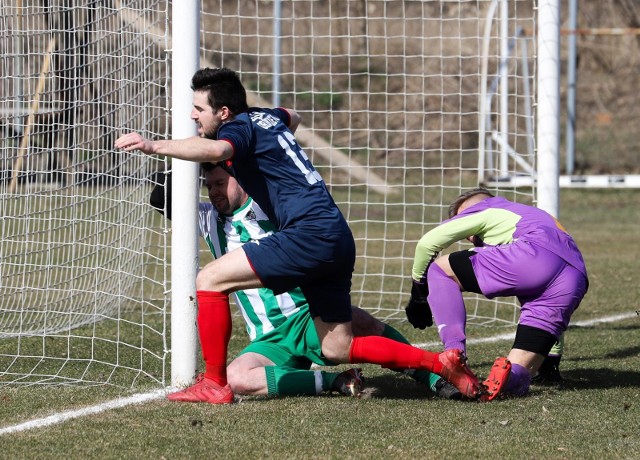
251, 215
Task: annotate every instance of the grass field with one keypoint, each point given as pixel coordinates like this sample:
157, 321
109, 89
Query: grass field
595, 414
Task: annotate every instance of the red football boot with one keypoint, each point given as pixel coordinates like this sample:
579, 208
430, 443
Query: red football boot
456, 372
498, 378
204, 390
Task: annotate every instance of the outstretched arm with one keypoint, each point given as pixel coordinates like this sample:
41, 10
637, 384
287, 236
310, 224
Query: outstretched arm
197, 149
444, 235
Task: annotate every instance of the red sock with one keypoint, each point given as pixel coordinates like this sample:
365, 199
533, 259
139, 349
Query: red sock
391, 354
214, 329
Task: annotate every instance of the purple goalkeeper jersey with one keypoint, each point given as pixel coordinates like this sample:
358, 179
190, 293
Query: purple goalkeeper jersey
499, 221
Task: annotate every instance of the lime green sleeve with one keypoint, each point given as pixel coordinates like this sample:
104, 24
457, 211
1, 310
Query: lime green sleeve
494, 226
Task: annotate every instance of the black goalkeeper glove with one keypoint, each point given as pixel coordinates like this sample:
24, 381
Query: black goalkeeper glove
418, 310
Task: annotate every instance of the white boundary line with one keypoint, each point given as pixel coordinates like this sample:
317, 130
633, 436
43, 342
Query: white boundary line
158, 394
511, 335
71, 414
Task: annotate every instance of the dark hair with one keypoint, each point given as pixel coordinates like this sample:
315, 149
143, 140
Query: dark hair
453, 207
226, 165
223, 87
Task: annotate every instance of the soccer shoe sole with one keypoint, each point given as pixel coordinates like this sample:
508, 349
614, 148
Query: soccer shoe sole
498, 378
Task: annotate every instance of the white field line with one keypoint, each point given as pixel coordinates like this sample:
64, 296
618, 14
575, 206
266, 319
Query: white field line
152, 396
71, 414
511, 335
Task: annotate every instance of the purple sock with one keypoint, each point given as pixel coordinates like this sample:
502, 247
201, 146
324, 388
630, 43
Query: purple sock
519, 380
447, 307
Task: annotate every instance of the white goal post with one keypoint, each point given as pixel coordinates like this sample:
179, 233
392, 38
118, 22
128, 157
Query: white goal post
98, 288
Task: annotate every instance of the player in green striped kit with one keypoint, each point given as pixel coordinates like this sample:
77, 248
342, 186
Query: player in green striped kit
284, 343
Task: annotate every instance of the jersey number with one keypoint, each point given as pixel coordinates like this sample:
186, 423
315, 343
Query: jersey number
312, 175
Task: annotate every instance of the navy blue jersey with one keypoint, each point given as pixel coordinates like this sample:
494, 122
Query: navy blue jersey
275, 171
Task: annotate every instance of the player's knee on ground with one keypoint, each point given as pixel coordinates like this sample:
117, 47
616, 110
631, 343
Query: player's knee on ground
237, 379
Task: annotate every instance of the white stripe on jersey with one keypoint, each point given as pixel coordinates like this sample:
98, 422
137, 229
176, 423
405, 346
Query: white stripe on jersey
318, 381
261, 310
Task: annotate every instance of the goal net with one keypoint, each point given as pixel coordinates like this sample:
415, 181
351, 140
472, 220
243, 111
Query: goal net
391, 94
84, 263
397, 89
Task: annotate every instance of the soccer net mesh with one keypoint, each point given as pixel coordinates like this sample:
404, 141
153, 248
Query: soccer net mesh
391, 97
83, 259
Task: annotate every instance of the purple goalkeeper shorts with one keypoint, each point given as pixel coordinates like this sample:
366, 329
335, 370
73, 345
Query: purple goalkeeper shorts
548, 288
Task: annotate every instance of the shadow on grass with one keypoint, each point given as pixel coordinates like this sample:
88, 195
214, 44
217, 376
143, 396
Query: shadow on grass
396, 386
601, 378
624, 353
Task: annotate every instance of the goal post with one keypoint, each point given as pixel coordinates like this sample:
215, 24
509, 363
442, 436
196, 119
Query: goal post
99, 288
548, 134
184, 204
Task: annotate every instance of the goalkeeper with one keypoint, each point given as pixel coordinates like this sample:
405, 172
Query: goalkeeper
519, 251
284, 342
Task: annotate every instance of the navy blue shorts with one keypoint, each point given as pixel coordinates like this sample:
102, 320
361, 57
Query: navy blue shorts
321, 265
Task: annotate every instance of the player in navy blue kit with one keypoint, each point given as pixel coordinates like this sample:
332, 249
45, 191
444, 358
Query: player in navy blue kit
313, 247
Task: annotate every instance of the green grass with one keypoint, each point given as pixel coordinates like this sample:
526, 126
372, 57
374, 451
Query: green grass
595, 415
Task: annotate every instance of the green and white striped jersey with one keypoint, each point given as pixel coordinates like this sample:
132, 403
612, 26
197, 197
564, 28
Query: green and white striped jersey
261, 309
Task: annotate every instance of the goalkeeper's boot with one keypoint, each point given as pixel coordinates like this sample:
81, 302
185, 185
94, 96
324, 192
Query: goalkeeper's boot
497, 380
456, 371
349, 382
445, 390
204, 390
549, 372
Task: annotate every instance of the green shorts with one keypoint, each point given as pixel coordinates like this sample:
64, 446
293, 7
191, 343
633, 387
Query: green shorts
294, 343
